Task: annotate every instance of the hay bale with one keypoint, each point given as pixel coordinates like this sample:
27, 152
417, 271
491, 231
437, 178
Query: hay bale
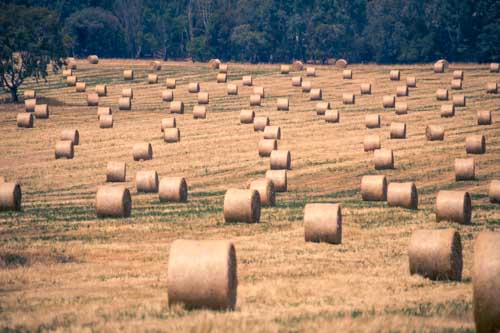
279, 179
113, 201
194, 87
221, 78
232, 89
311, 71
332, 116
29, 105
492, 88
297, 81
260, 123
458, 75
146, 181
93, 59
347, 74
255, 100
321, 108
128, 74
10, 196
101, 90
306, 86
265, 187
372, 121
411, 82
398, 130
402, 195
394, 75
459, 100
297, 65
383, 159
389, 101
71, 63
371, 142
223, 68
484, 117
167, 95
152, 78
442, 94
242, 206
171, 83
142, 151
214, 63
440, 66
436, 254
116, 172
266, 146
447, 110
124, 103
475, 144
70, 134
67, 72
80, 87
71, 80
173, 189
402, 91
168, 123
259, 91
282, 104
285, 69
64, 149
247, 80
374, 188
494, 67
316, 94
155, 65
247, 116
128, 92
348, 98
106, 121
25, 120
323, 223
465, 169
365, 89
485, 282
494, 191
41, 111
202, 274
281, 160
453, 206
401, 108
434, 133
177, 107
171, 135
92, 99
199, 112
272, 132
456, 84
341, 63
203, 98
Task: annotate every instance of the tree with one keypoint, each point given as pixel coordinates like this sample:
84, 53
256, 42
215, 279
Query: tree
130, 18
30, 39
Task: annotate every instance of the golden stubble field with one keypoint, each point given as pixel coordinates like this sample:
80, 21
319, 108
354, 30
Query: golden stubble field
64, 269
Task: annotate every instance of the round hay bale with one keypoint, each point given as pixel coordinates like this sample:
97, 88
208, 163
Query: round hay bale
146, 181
398, 130
70, 134
177, 107
10, 196
402, 91
285, 69
347, 74
306, 86
494, 67
402, 195
445, 63
492, 88
128, 92
116, 172
372, 121
247, 80
316, 94
447, 110
272, 132
202, 274
323, 223
155, 65
101, 90
442, 94
29, 105
255, 100
71, 80
25, 120
341, 63
394, 75
411, 82
401, 108
332, 116
259, 91
106, 121
484, 117
168, 123
434, 133
266, 146
247, 116
282, 104
279, 179
297, 65
371, 142
221, 78
475, 144
389, 101
203, 98
93, 59
124, 103
348, 98
214, 63
171, 83
199, 112
92, 99
242, 205
439, 67
459, 100
366, 89
465, 169
194, 87
71, 64
113, 201
232, 89
142, 151
64, 149
383, 159
436, 254
223, 68
152, 78
485, 282
494, 191
260, 123
128, 74
41, 111
80, 87
265, 187
321, 108
311, 71
171, 135
281, 160
456, 84
67, 72
297, 81
173, 189
458, 75
453, 206
167, 95
374, 188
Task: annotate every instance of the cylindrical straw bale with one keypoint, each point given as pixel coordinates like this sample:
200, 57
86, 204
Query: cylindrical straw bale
71, 80
311, 71
394, 75
281, 160
242, 205
332, 116
142, 151
194, 87
265, 187
402, 195
232, 89
10, 196
168, 123
167, 95
282, 104
459, 100
453, 206
29, 104
177, 107
321, 108
70, 134
221, 78
434, 133
456, 84
101, 89
155, 65
202, 274
366, 88
371, 142
296, 81
297, 65
401, 108
442, 94
124, 103
347, 74
112, 201
411, 82
214, 63
285, 69
436, 254
41, 111
247, 116
306, 86
67, 72
128, 74
402, 91
116, 172
92, 99
128, 92
173, 189
447, 110
348, 98
64, 149
492, 88
260, 123
146, 181
272, 132
80, 87
383, 159
323, 223
475, 144
199, 112
255, 100
465, 169
398, 130
266, 146
374, 188
247, 80
93, 59
25, 120
203, 97
372, 121
223, 68
484, 117
342, 63
494, 67
439, 67
171, 83
458, 75
315, 94
106, 121
389, 101
171, 135
494, 191
152, 78
71, 63
279, 179
259, 91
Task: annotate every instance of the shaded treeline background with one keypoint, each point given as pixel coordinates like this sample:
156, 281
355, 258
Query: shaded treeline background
384, 31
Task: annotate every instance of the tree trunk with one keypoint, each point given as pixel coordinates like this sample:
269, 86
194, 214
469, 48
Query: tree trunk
13, 94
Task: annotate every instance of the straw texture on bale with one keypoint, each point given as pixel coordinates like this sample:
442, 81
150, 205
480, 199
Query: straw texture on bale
10, 196
260, 123
374, 188
146, 181
70, 134
456, 84
285, 69
321, 108
214, 63
332, 116
106, 121
434, 133
71, 80
128, 92
142, 151
494, 191
265, 187
402, 91
475, 144
465, 169
167, 95
199, 112
242, 205
311, 71
171, 135
25, 120
383, 159
152, 78
366, 88
315, 94
401, 108
203, 98
494, 67
101, 90
29, 105
281, 160
436, 254
372, 121
92, 99
168, 123
177, 107
442, 94
447, 110
173, 189
124, 103
323, 223
116, 172
411, 82
171, 83
247, 80
347, 74
93, 59
194, 87
348, 98
112, 201
279, 179
266, 146
223, 68
259, 91
128, 74
282, 104
459, 100
389, 101
306, 86
202, 274
297, 65
80, 87
232, 89
371, 142
484, 117
492, 88
155, 65
272, 132
398, 130
247, 116
453, 206
402, 195
394, 75
440, 66
255, 100
41, 111
296, 81
29, 94
342, 63
221, 78
67, 72
64, 149
458, 75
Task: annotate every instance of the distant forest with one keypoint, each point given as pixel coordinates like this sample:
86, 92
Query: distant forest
382, 31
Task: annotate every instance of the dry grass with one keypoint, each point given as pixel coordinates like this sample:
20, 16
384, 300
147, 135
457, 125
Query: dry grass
65, 270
